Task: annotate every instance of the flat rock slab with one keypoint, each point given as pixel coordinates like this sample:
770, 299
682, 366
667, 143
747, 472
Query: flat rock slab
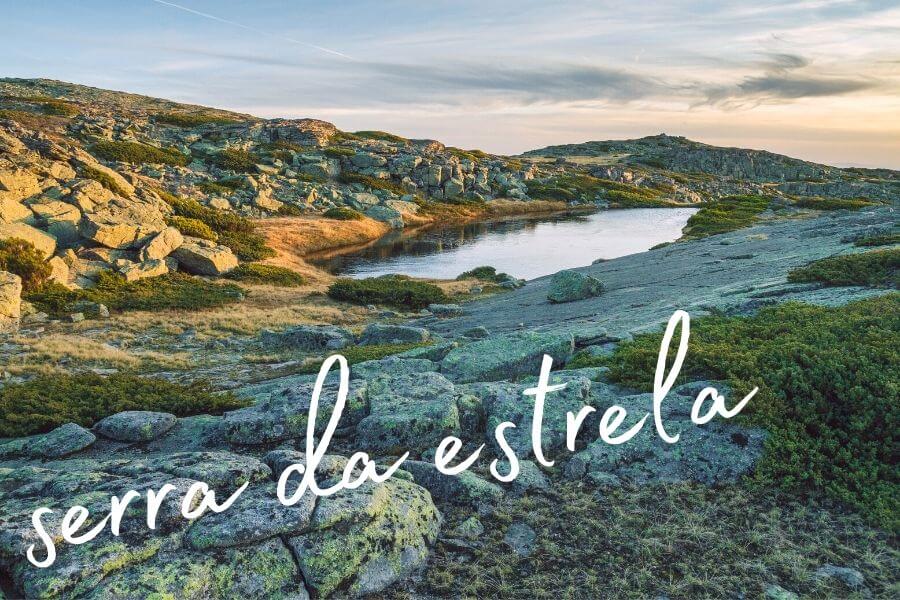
506, 356
382, 333
134, 426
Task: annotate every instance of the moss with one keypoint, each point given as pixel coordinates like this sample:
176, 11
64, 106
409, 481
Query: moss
23, 259
827, 393
189, 120
170, 291
137, 153
343, 213
266, 274
234, 159
724, 215
876, 268
49, 401
390, 290
104, 179
192, 227
818, 203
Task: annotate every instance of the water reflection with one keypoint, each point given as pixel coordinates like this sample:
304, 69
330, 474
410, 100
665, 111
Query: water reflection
524, 247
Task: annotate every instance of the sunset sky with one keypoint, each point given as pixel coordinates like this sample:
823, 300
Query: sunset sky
817, 79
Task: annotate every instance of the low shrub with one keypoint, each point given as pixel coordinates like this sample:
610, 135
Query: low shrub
170, 291
381, 136
472, 155
234, 159
391, 290
192, 227
246, 245
818, 203
338, 152
485, 273
885, 239
619, 199
877, 268
103, 179
49, 401
343, 213
137, 153
827, 392
579, 187
21, 258
188, 120
266, 274
724, 215
374, 183
223, 187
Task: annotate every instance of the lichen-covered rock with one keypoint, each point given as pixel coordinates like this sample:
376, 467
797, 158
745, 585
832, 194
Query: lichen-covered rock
64, 440
10, 298
386, 333
569, 286
365, 539
135, 425
409, 412
465, 488
392, 365
506, 356
309, 338
42, 241
122, 224
256, 515
163, 244
446, 310
714, 453
200, 258
221, 470
386, 214
132, 271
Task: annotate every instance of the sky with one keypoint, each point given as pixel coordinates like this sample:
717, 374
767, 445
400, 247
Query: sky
816, 79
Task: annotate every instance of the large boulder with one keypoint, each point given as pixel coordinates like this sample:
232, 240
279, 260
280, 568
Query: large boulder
365, 160
132, 271
19, 183
13, 211
202, 257
465, 488
367, 538
44, 242
385, 333
10, 298
163, 244
309, 338
58, 218
122, 224
569, 286
134, 426
385, 214
506, 356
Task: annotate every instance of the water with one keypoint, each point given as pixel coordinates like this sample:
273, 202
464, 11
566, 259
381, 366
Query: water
523, 247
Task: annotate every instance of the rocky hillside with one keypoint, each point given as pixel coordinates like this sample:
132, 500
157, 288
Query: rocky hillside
101, 181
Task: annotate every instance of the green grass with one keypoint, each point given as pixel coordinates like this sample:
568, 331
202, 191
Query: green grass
343, 213
391, 290
188, 120
104, 179
876, 268
373, 183
192, 227
49, 401
170, 291
828, 393
234, 159
266, 274
381, 136
724, 215
137, 153
48, 105
21, 258
818, 203
885, 239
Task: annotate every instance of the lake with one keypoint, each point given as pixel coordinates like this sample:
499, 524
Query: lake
526, 247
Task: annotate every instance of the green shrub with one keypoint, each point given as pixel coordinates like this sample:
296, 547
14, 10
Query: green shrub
390, 289
49, 401
290, 210
484, 274
618, 199
104, 179
338, 152
583, 360
885, 239
234, 159
192, 227
189, 120
877, 268
171, 291
223, 187
724, 215
382, 136
817, 203
579, 187
137, 153
827, 392
246, 246
343, 213
21, 258
266, 274
374, 183
472, 155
